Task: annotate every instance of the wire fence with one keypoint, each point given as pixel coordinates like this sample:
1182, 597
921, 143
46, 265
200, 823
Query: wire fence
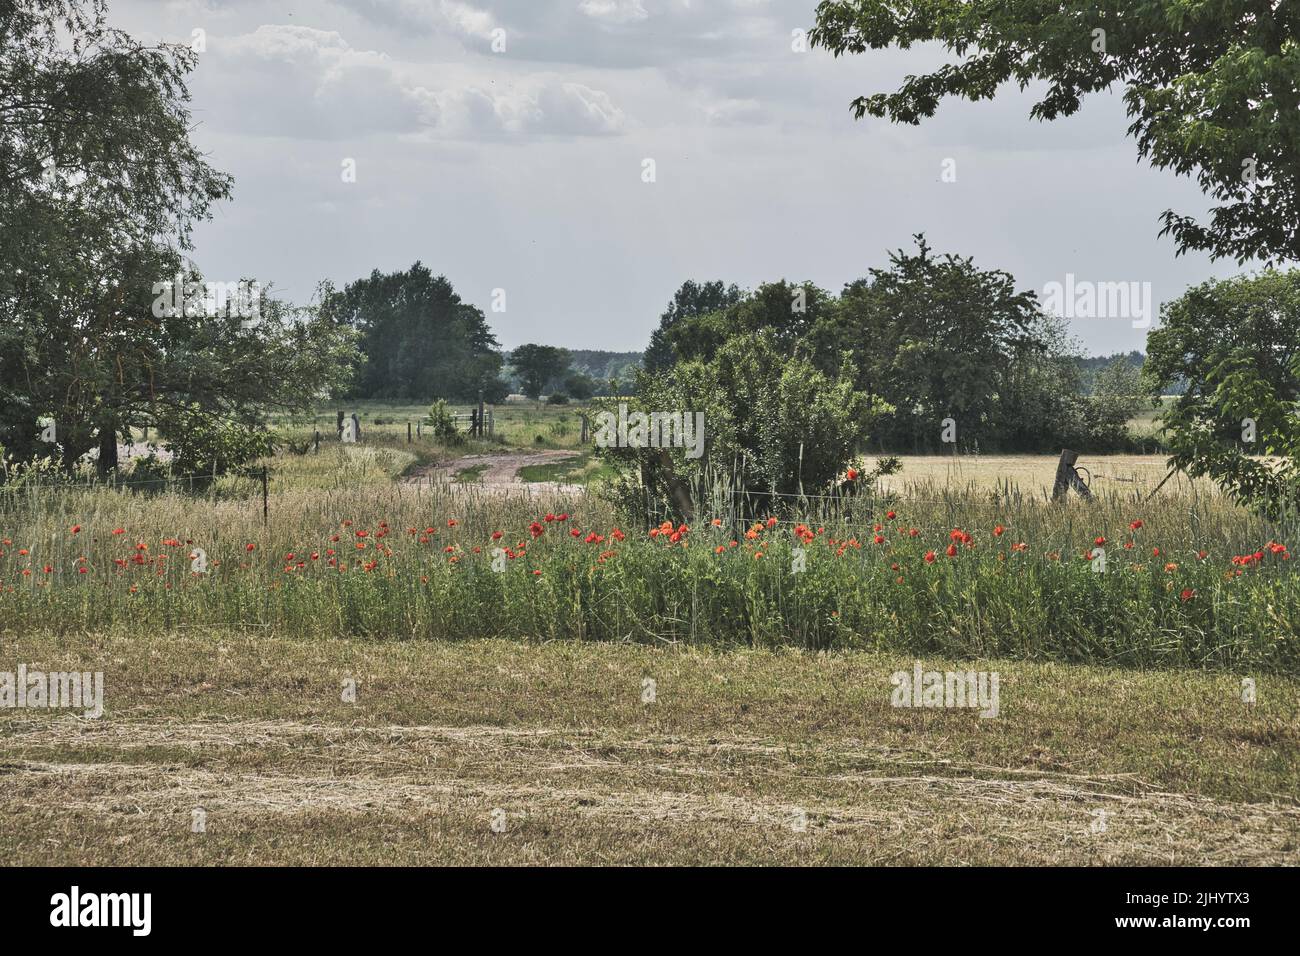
187, 483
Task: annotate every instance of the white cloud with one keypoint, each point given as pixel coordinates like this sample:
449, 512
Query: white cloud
549, 108
468, 20
614, 11
735, 112
749, 136
288, 80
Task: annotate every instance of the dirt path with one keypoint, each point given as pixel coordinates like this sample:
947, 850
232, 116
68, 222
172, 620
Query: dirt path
502, 473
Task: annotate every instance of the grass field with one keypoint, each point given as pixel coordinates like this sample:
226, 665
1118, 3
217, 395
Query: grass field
353, 553
1123, 734
1032, 476
743, 757
521, 424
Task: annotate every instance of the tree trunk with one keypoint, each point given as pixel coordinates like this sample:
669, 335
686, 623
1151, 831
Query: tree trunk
107, 463
678, 490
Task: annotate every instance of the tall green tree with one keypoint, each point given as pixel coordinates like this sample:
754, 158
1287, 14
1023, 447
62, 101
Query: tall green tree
690, 300
786, 311
419, 340
1235, 345
100, 186
538, 366
1212, 89
935, 337
772, 426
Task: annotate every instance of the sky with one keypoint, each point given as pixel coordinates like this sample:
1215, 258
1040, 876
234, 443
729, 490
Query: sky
505, 145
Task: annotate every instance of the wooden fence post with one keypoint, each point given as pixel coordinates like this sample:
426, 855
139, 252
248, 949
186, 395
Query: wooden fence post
266, 506
1067, 477
408, 433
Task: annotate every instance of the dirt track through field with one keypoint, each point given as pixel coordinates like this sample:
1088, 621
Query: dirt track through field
501, 475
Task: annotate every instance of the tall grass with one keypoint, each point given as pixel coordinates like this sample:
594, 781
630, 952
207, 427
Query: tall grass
1042, 602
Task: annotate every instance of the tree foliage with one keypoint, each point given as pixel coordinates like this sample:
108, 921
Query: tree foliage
934, 337
100, 186
1212, 89
538, 366
418, 338
1236, 346
690, 300
937, 338
774, 427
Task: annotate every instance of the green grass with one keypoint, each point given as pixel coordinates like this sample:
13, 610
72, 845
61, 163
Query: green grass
415, 574
735, 748
583, 469
521, 692
516, 424
471, 475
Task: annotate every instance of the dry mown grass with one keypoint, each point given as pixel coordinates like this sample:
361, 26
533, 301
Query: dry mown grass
718, 770
1128, 476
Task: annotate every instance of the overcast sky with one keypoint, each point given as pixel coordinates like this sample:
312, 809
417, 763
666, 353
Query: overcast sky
522, 170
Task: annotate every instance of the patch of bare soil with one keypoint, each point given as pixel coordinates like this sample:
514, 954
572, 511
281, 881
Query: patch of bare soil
501, 475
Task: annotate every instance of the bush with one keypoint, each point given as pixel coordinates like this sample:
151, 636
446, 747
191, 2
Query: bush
442, 424
774, 427
204, 444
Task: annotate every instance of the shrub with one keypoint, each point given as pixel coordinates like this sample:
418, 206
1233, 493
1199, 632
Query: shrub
442, 424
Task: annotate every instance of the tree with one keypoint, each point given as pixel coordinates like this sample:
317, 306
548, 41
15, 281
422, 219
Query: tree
100, 187
935, 337
418, 338
691, 300
772, 426
108, 358
92, 117
537, 366
1236, 346
1118, 388
784, 309
580, 386
1212, 89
